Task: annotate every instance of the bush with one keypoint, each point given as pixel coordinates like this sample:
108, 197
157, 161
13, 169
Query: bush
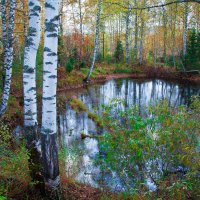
157, 147
192, 50
82, 64
119, 52
14, 168
69, 65
108, 59
99, 57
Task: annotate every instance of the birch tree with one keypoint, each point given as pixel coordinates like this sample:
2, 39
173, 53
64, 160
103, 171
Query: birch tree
142, 35
29, 73
49, 114
96, 39
4, 36
136, 33
8, 41
127, 33
185, 31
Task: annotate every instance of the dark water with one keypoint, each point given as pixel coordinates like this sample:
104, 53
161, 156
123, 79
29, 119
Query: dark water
80, 154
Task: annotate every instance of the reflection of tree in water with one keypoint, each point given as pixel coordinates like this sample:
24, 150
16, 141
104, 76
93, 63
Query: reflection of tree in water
133, 92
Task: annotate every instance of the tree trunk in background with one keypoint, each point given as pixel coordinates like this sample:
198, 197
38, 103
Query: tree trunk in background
81, 26
136, 34
174, 36
49, 112
8, 41
4, 38
165, 34
142, 36
96, 40
127, 33
185, 32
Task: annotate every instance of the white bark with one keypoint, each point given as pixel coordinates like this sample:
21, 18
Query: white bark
96, 39
165, 33
8, 56
185, 31
136, 34
30, 53
49, 113
142, 36
4, 37
127, 34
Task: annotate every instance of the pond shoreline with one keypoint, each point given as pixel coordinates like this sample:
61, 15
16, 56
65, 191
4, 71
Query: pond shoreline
179, 77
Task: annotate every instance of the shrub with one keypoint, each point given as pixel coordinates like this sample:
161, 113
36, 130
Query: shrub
160, 146
14, 170
82, 64
119, 52
108, 59
192, 50
69, 65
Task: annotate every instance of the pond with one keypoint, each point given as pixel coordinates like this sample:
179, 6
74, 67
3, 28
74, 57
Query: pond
81, 154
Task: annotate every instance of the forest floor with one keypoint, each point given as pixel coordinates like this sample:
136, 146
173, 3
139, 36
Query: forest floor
72, 81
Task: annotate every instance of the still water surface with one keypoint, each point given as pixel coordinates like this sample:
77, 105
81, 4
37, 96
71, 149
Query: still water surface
81, 154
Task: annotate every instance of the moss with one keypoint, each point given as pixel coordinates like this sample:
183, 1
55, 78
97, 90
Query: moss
96, 119
78, 105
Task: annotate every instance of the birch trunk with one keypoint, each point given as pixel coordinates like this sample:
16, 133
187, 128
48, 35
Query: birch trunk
4, 37
96, 40
185, 32
29, 74
136, 34
165, 33
81, 27
142, 36
29, 85
127, 34
49, 113
8, 56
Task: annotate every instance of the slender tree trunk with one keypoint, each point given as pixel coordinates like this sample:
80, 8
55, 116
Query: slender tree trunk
29, 74
127, 34
49, 113
142, 36
174, 36
81, 26
185, 32
165, 34
96, 40
29, 85
8, 56
136, 35
4, 38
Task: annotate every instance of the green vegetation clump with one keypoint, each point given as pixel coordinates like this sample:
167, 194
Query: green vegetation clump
14, 168
69, 65
193, 50
95, 118
78, 105
162, 147
119, 52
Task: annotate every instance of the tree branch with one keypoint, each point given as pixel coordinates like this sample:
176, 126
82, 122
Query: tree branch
154, 6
